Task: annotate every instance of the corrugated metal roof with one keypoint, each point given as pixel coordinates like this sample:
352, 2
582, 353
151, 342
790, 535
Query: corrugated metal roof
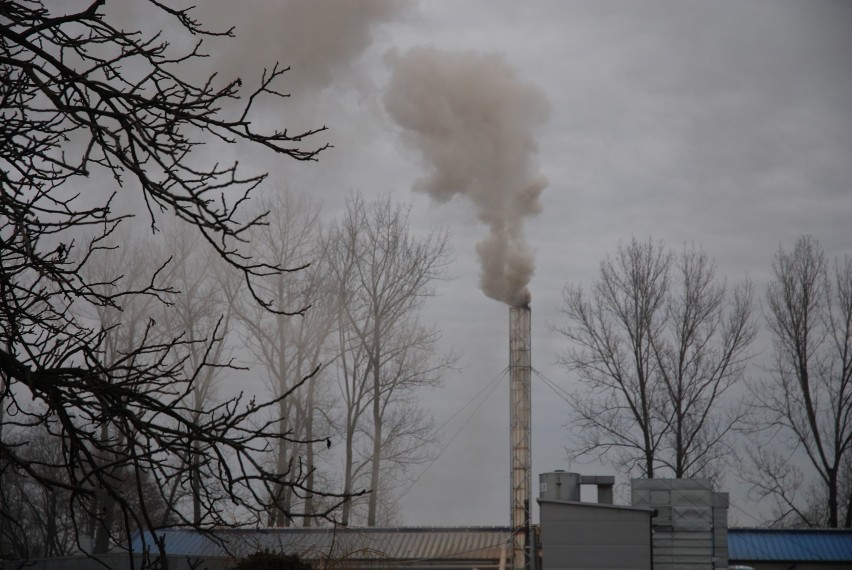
789, 545
469, 543
430, 543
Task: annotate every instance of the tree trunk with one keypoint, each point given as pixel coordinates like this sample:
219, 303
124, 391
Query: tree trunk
646, 424
103, 522
833, 503
51, 549
3, 388
101, 519
680, 447
649, 464
347, 477
196, 482
278, 515
309, 451
377, 456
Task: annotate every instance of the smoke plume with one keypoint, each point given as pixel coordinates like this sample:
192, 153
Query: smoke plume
317, 39
472, 119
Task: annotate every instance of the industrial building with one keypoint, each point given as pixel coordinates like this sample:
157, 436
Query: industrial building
572, 534
672, 524
690, 526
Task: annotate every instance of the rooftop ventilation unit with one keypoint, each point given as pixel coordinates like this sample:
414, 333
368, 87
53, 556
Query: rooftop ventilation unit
565, 486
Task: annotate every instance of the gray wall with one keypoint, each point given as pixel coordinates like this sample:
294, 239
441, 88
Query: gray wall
586, 536
691, 528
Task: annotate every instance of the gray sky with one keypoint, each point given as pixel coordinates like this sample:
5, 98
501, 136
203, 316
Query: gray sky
725, 123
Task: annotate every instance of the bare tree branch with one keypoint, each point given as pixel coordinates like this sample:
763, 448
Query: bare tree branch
657, 344
82, 100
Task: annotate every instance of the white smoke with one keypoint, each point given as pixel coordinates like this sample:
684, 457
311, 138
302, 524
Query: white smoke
318, 39
472, 119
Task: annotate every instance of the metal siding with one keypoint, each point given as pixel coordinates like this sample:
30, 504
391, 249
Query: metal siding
578, 512
690, 519
622, 556
559, 486
600, 533
577, 536
669, 484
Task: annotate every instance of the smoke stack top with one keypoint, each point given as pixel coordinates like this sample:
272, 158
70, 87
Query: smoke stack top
472, 120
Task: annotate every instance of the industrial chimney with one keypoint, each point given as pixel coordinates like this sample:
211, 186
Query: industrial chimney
519, 419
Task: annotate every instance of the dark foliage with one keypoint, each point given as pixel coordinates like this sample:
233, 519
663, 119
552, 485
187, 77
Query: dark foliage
272, 561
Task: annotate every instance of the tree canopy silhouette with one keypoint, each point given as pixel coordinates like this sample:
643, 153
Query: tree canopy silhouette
82, 101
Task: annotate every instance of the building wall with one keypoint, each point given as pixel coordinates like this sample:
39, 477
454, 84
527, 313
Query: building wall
691, 528
586, 536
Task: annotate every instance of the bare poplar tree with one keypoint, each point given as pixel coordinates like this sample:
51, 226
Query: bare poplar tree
612, 336
806, 405
701, 355
198, 313
292, 349
383, 274
123, 328
657, 343
85, 102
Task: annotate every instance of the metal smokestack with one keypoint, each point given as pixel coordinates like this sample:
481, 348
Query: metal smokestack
520, 404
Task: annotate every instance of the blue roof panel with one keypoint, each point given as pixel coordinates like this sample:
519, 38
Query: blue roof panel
789, 545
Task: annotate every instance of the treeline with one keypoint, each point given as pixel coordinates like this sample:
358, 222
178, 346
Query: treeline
661, 344
335, 345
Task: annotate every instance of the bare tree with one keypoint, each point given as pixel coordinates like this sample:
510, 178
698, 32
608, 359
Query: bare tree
657, 343
292, 349
122, 328
85, 102
701, 356
43, 527
198, 311
806, 405
46, 525
383, 274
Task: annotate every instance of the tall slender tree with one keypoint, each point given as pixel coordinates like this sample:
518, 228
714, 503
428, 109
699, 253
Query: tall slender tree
806, 404
197, 311
123, 329
383, 274
291, 349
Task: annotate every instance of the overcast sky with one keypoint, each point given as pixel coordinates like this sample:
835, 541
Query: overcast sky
725, 123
